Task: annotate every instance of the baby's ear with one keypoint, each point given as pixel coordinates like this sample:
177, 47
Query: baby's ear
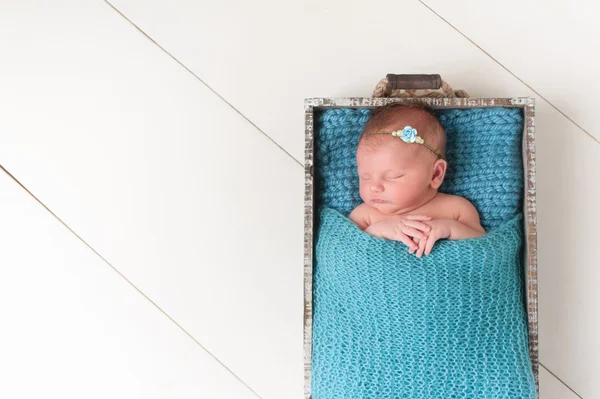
439, 172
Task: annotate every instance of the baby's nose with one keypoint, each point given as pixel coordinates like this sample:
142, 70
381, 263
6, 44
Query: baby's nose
376, 187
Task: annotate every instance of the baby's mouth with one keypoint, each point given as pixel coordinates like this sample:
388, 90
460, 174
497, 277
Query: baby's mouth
378, 201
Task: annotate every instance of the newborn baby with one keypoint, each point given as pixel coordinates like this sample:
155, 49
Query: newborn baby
401, 165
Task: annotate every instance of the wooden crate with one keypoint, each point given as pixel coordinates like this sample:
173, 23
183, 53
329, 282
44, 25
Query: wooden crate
313, 105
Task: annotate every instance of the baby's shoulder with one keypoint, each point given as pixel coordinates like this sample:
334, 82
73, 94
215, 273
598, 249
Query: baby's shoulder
462, 210
363, 215
452, 199
456, 204
362, 210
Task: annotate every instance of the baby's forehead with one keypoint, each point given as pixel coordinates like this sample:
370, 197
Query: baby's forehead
387, 151
383, 143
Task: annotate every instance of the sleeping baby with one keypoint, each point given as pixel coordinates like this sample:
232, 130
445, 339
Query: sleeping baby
401, 165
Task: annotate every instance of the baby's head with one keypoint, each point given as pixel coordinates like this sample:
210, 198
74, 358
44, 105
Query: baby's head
396, 176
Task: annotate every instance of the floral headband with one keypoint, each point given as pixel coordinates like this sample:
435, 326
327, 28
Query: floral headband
409, 135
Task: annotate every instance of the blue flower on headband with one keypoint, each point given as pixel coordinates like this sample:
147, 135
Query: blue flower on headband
409, 134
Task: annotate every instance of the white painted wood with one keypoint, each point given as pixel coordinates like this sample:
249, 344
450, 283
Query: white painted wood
568, 256
166, 181
73, 328
551, 45
551, 388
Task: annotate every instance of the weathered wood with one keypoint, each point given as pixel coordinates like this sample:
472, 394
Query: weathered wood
308, 244
413, 82
530, 211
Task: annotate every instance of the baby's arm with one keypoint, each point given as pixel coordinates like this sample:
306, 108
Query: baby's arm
361, 216
466, 225
397, 228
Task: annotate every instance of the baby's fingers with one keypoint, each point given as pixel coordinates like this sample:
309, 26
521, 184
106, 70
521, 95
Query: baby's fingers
418, 217
429, 246
411, 232
421, 248
418, 225
399, 236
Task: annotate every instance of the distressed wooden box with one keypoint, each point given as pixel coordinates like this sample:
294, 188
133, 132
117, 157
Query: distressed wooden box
314, 105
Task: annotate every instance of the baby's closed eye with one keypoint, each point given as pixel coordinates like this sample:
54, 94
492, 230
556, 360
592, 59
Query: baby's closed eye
395, 177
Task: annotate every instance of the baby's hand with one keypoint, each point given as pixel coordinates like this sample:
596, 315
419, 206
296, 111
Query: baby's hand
440, 229
402, 228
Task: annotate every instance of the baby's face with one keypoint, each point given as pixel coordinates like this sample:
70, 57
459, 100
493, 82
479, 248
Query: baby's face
392, 176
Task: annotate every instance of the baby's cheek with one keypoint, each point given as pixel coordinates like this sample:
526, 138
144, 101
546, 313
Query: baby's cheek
362, 191
395, 190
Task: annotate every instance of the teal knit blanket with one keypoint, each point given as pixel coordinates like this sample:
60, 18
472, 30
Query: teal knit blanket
390, 325
449, 325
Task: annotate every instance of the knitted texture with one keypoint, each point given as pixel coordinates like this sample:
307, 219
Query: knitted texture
390, 325
483, 151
